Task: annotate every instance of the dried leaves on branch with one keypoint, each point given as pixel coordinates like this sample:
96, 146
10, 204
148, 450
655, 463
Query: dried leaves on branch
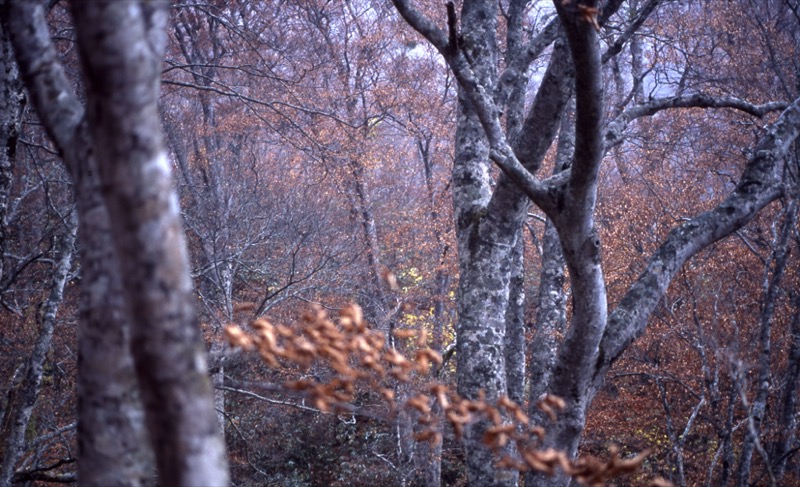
360, 355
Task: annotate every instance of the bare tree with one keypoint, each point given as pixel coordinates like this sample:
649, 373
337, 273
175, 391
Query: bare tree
28, 379
488, 217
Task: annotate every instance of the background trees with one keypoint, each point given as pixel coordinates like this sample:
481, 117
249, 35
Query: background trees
315, 162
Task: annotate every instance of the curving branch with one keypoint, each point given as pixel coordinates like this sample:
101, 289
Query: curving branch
615, 130
56, 104
579, 26
759, 186
422, 24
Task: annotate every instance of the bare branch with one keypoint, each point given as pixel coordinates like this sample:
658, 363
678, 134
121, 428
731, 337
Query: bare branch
422, 24
616, 128
483, 103
758, 187
634, 26
56, 104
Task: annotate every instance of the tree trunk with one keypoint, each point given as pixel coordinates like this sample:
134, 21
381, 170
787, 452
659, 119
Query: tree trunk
514, 340
772, 289
11, 105
121, 46
429, 456
485, 241
19, 409
112, 439
788, 404
594, 339
551, 306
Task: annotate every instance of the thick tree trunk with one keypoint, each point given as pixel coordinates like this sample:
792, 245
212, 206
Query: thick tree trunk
19, 409
112, 441
484, 284
485, 241
112, 438
488, 224
121, 46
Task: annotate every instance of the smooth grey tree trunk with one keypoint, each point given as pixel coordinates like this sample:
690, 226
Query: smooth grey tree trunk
112, 438
146, 237
551, 301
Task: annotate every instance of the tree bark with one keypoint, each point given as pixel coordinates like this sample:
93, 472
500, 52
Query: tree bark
121, 46
772, 289
167, 344
594, 339
514, 339
111, 437
11, 105
788, 404
488, 221
19, 409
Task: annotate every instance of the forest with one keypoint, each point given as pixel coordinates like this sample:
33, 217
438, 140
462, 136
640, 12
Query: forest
418, 243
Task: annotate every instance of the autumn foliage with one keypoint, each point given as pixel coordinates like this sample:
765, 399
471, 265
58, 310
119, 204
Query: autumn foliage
315, 155
361, 357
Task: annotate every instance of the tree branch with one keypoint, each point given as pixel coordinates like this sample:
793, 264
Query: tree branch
422, 24
56, 104
634, 27
758, 187
483, 104
616, 128
589, 108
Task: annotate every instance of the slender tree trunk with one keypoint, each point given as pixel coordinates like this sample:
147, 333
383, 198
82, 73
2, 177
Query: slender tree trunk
428, 457
551, 305
11, 104
788, 406
772, 289
362, 205
727, 439
19, 409
514, 339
